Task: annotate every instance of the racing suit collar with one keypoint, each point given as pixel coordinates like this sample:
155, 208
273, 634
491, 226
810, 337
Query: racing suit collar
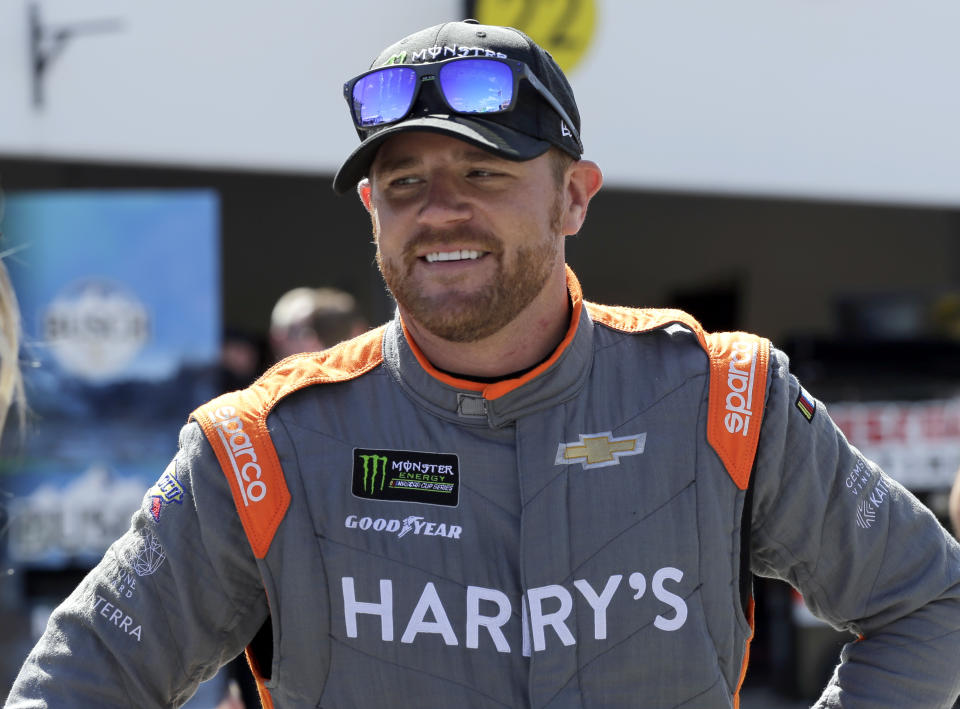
502, 402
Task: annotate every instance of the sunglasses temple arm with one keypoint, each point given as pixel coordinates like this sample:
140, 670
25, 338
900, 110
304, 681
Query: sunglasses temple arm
555, 105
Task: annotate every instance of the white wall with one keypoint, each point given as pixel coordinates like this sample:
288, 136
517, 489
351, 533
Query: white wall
216, 83
852, 99
810, 98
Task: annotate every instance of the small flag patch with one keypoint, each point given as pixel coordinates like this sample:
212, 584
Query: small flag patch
806, 404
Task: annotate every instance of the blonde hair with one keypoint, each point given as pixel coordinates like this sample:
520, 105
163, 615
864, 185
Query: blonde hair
11, 382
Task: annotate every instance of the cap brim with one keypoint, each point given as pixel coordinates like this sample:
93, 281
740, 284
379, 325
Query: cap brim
495, 137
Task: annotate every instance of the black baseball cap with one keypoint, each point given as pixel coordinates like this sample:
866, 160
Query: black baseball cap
521, 134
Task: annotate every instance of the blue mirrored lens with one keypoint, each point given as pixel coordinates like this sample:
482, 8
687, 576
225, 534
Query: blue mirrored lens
477, 85
384, 96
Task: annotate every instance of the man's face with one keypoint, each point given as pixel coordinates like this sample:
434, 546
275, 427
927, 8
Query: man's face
465, 239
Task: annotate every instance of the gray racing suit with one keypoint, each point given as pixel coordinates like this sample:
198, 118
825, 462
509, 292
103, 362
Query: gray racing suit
381, 534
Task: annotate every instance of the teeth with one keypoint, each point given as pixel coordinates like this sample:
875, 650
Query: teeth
452, 255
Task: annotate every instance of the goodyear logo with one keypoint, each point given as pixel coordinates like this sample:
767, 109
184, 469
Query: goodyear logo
406, 476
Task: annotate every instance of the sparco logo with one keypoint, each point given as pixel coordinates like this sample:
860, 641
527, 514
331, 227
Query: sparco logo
413, 524
740, 378
243, 456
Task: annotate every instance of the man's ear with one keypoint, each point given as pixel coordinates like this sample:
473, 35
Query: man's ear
363, 191
584, 180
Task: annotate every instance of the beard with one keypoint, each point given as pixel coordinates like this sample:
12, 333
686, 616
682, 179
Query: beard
470, 315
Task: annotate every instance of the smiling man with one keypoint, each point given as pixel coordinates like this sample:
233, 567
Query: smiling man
472, 250
507, 496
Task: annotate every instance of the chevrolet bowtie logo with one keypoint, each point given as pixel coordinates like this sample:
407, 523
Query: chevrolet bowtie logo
597, 450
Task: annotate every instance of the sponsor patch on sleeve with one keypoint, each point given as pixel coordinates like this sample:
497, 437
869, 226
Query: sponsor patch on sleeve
149, 556
117, 617
739, 363
166, 491
871, 491
806, 404
406, 476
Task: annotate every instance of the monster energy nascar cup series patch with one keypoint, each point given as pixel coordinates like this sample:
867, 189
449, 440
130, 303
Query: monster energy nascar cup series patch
406, 476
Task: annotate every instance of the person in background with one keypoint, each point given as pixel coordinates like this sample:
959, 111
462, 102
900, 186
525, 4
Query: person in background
302, 320
11, 383
312, 320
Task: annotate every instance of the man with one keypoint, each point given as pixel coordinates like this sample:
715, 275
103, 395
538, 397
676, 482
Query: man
507, 496
313, 319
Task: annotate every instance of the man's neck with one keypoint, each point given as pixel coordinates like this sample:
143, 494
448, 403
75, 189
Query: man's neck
526, 340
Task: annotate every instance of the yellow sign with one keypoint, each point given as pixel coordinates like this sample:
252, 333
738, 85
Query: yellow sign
564, 28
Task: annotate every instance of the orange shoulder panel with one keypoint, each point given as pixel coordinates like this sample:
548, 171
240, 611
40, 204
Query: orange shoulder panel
643, 319
738, 380
236, 426
738, 389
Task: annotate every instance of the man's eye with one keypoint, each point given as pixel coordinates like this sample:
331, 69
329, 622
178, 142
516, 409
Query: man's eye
403, 181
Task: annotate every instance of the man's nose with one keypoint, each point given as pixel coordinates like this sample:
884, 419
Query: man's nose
443, 203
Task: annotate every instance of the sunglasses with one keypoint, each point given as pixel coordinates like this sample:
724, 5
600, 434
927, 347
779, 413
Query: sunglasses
471, 86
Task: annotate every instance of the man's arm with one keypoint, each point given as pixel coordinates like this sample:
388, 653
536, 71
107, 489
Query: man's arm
955, 505
171, 601
865, 554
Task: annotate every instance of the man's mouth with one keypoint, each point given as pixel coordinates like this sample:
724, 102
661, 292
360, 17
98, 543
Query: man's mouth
460, 255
